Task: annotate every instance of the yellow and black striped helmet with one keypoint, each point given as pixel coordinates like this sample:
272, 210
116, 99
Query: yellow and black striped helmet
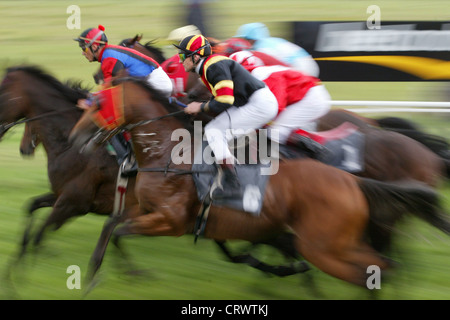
195, 44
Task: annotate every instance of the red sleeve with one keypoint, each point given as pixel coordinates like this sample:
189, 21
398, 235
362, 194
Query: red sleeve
108, 67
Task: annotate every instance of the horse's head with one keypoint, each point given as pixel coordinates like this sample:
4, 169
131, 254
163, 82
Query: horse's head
198, 92
27, 92
13, 99
148, 48
128, 106
131, 42
101, 121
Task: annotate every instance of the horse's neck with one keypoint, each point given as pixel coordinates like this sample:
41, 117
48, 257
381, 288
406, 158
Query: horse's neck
54, 130
153, 144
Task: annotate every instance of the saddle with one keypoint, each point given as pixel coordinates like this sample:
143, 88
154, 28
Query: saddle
341, 147
251, 176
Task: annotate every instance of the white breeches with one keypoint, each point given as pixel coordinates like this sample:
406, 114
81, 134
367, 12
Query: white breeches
261, 108
159, 80
302, 114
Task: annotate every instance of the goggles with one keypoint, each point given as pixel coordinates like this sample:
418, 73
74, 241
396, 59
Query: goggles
83, 46
183, 55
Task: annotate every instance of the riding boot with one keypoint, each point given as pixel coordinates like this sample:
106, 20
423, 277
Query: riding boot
230, 182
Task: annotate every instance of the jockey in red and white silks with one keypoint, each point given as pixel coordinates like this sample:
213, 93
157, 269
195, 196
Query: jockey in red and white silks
302, 99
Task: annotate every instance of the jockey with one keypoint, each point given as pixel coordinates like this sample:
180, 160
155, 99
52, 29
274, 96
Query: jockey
113, 59
239, 101
232, 45
302, 99
291, 54
173, 67
94, 44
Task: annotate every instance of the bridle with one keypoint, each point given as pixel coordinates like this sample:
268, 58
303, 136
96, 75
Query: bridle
6, 127
102, 135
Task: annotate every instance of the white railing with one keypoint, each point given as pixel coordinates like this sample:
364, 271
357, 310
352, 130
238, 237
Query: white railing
393, 106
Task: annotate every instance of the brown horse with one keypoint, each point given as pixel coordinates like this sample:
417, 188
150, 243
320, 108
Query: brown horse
327, 209
79, 184
438, 145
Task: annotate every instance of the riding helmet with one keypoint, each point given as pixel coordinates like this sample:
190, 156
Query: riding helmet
253, 31
195, 44
93, 35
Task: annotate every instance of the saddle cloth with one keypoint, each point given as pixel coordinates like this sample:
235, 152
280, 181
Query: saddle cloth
253, 183
344, 146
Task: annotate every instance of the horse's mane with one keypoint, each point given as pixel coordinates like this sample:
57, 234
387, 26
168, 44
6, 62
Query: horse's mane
159, 56
149, 45
72, 90
161, 98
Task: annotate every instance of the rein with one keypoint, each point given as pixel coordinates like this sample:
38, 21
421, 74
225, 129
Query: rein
5, 127
144, 122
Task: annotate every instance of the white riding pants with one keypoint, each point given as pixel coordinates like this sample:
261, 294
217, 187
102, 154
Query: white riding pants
159, 80
302, 114
261, 108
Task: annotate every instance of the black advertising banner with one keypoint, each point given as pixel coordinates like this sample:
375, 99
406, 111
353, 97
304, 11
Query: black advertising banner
391, 51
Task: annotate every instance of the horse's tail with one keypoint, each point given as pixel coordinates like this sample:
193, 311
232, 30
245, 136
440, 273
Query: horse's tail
388, 202
438, 145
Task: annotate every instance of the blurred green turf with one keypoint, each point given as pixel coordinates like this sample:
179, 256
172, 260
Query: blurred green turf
35, 32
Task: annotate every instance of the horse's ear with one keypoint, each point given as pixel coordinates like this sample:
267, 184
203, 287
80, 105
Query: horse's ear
137, 38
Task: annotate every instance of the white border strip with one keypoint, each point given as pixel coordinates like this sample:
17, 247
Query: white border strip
412, 104
394, 106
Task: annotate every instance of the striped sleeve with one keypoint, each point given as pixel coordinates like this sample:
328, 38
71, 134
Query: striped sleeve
219, 77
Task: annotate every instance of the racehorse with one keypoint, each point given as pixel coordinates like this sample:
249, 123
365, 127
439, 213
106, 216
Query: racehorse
436, 144
327, 209
80, 184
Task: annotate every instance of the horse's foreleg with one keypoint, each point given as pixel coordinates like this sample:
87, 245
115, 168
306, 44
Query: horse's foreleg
99, 252
67, 206
151, 224
43, 201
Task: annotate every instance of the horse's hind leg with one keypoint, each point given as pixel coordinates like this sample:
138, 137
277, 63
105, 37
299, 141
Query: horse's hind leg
348, 262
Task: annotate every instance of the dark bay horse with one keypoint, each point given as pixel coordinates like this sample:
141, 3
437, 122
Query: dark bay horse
327, 209
79, 183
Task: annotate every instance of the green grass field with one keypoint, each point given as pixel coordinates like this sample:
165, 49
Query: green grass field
35, 32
